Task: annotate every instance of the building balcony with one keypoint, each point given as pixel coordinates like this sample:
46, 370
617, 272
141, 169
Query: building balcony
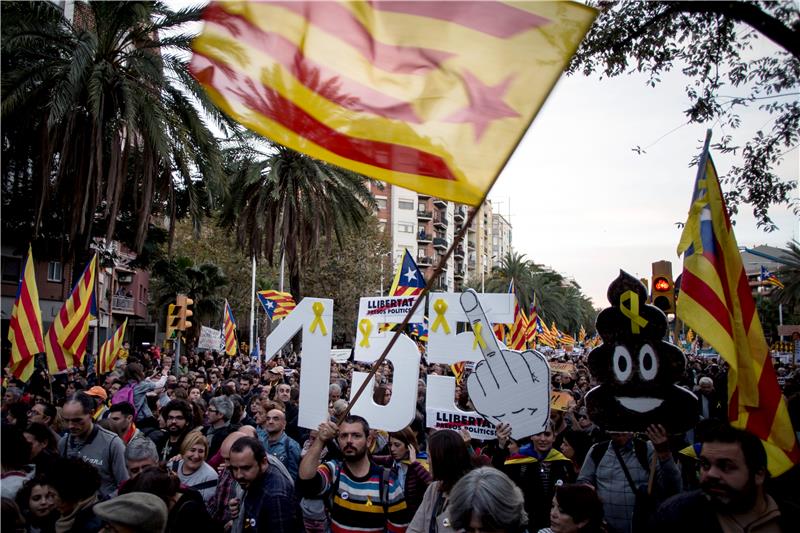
424, 260
459, 252
459, 214
424, 215
423, 196
440, 222
424, 238
440, 285
438, 202
470, 245
440, 244
123, 305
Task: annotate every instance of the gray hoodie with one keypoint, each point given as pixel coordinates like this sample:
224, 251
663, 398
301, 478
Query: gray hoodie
105, 451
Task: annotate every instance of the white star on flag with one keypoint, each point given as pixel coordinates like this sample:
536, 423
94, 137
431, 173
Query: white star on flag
270, 305
411, 274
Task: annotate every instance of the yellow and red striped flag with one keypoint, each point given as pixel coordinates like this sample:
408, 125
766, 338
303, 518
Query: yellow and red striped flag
229, 330
716, 301
109, 351
582, 334
431, 96
458, 370
519, 329
25, 326
66, 339
276, 304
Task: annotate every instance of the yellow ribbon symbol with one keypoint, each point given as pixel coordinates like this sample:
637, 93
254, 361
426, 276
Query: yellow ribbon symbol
476, 330
440, 307
318, 308
365, 327
632, 312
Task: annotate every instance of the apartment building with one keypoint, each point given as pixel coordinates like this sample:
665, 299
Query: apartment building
426, 226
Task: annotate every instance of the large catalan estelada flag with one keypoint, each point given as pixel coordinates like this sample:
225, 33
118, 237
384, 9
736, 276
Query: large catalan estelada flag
432, 96
109, 351
276, 304
408, 280
769, 277
229, 330
66, 339
716, 301
25, 326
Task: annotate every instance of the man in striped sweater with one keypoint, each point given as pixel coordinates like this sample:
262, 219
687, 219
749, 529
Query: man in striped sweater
354, 487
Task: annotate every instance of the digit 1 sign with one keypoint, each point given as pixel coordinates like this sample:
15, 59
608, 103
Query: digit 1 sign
314, 317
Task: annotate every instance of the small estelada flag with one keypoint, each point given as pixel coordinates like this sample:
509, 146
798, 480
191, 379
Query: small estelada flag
431, 96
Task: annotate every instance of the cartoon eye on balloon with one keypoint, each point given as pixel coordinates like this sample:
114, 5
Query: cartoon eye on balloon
648, 363
623, 364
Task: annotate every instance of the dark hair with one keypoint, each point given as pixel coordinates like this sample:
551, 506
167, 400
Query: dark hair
49, 409
122, 407
355, 419
16, 449
449, 457
754, 455
406, 436
259, 453
178, 405
24, 494
42, 433
73, 479
19, 411
580, 441
581, 502
134, 372
154, 480
379, 394
87, 402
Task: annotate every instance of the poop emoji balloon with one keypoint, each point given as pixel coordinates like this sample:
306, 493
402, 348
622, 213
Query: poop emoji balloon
636, 369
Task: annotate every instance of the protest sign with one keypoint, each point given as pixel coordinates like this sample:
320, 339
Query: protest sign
209, 338
340, 355
562, 368
560, 400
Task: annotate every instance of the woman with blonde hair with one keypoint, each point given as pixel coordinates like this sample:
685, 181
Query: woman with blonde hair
192, 469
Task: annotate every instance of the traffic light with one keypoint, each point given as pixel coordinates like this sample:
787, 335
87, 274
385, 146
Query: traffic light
646, 283
173, 320
184, 302
663, 291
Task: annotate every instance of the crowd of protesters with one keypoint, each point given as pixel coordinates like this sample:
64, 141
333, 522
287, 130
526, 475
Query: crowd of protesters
212, 443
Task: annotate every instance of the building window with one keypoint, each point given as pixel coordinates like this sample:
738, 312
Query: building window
381, 203
12, 269
54, 271
405, 228
405, 204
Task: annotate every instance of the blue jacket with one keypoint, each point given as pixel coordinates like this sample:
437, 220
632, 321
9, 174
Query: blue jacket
285, 449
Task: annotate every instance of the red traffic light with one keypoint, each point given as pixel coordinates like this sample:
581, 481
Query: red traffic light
661, 284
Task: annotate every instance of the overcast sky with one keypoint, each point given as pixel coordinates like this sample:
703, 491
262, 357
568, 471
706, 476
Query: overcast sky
582, 202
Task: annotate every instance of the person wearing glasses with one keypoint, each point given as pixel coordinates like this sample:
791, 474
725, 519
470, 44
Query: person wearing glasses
99, 447
219, 413
177, 415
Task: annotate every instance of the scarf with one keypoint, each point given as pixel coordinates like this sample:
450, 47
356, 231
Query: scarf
66, 522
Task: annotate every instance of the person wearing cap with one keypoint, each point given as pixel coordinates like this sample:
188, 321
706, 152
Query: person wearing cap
135, 512
101, 397
275, 376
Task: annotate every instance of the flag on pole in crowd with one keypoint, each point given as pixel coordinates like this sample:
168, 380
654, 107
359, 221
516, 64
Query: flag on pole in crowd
519, 329
458, 370
229, 330
408, 280
420, 331
430, 96
276, 304
66, 339
768, 277
567, 339
533, 330
109, 351
582, 334
256, 353
716, 301
25, 326
689, 335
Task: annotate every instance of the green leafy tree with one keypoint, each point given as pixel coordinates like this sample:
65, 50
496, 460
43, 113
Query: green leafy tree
713, 45
102, 122
789, 275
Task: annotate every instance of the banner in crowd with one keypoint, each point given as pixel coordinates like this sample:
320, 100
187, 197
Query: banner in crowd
210, 339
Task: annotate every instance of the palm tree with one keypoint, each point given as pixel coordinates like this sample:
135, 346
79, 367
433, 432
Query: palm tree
101, 118
789, 275
286, 203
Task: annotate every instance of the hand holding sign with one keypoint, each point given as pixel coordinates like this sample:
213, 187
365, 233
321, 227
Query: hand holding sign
507, 386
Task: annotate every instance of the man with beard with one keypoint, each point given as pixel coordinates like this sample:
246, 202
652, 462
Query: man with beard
177, 415
268, 503
731, 498
356, 489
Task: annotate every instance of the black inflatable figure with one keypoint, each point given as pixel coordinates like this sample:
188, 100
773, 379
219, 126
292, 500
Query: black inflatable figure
636, 369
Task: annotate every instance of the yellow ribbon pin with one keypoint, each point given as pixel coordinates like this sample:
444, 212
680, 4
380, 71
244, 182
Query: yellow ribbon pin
365, 327
318, 308
632, 312
440, 307
476, 330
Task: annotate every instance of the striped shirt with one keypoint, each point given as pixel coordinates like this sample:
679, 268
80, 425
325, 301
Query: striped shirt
357, 507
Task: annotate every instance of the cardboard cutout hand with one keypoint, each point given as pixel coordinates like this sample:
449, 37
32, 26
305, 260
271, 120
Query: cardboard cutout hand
507, 386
